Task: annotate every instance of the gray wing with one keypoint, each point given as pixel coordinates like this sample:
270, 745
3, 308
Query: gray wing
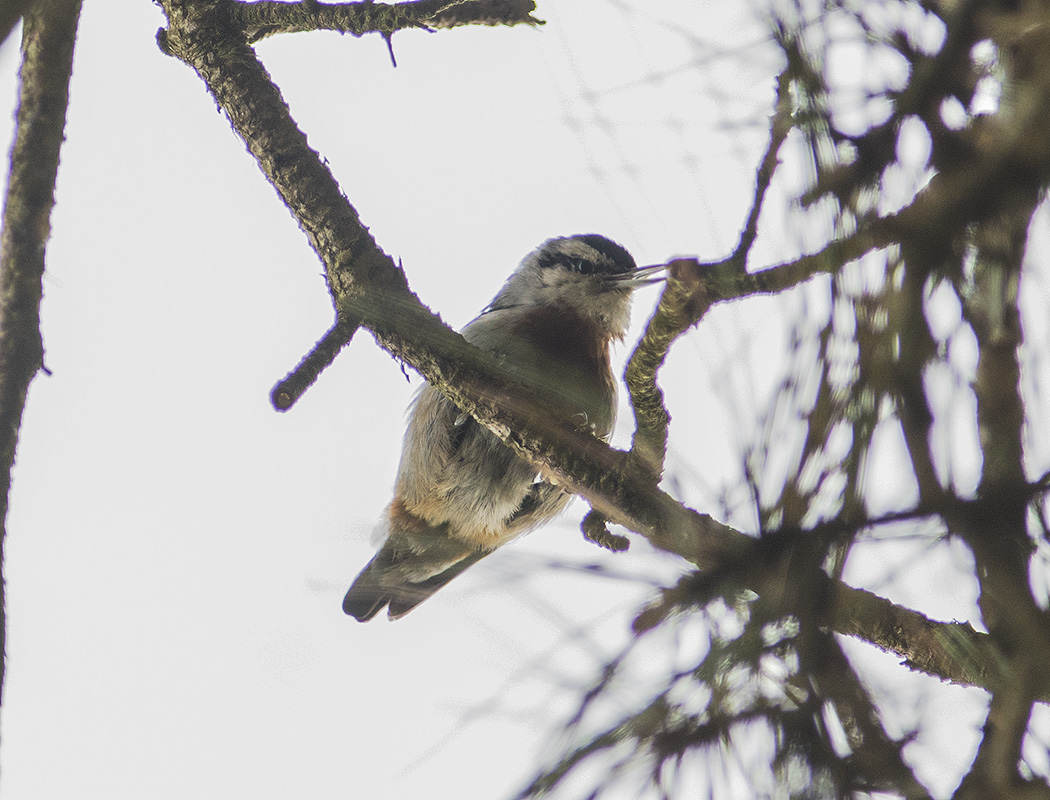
410, 567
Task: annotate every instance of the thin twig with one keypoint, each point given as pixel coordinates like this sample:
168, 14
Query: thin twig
295, 383
779, 127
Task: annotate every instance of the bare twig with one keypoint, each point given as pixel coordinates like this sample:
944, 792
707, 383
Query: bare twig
291, 387
779, 127
595, 529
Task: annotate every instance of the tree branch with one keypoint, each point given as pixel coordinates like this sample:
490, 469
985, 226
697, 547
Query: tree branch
779, 127
289, 389
996, 531
686, 302
47, 62
267, 17
10, 12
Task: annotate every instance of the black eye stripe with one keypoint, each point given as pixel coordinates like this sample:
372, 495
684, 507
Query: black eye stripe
580, 265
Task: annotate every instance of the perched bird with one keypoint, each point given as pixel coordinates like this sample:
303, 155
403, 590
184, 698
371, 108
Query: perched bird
460, 492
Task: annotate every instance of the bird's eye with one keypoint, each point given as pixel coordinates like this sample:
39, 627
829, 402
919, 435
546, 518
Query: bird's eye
577, 266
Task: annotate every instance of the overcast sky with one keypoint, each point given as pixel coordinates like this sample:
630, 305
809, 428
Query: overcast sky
177, 551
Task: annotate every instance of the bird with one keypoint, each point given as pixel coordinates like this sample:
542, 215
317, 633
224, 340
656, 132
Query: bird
461, 493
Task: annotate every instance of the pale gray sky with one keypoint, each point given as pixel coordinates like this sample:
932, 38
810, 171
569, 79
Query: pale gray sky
177, 551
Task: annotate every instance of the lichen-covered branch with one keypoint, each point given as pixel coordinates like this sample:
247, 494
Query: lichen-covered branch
681, 305
266, 17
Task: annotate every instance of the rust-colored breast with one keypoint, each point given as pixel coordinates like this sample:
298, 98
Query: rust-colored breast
568, 355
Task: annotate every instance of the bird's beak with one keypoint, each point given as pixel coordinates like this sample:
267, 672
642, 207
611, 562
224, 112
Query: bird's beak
642, 276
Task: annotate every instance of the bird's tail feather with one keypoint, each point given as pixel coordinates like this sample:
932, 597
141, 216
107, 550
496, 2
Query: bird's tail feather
387, 581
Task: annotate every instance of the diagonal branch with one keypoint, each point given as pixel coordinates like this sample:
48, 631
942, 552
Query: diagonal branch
779, 127
874, 754
290, 388
202, 34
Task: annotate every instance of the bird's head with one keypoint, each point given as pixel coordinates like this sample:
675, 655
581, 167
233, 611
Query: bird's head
587, 275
